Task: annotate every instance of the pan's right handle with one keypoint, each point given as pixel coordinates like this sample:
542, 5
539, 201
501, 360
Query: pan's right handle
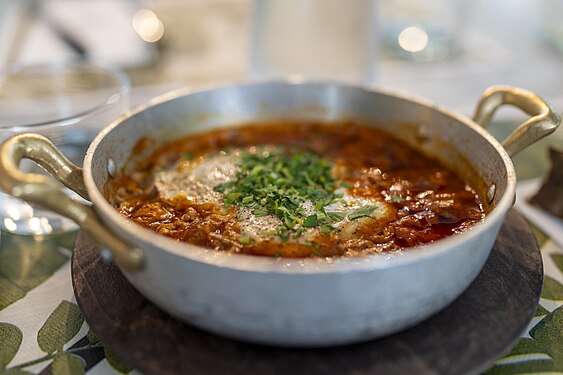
41, 190
543, 122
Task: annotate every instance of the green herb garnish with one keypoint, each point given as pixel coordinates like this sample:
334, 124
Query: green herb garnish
245, 240
279, 182
311, 221
397, 198
327, 229
317, 252
336, 216
282, 182
358, 213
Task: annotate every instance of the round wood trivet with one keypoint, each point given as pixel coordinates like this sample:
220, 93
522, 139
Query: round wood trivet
466, 337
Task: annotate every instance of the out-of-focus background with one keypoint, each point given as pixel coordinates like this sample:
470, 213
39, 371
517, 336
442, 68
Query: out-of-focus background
164, 44
448, 51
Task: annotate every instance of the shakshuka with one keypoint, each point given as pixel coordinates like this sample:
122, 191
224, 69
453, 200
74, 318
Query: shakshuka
289, 189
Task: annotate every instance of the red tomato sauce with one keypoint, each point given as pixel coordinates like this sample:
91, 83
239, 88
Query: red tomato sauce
426, 201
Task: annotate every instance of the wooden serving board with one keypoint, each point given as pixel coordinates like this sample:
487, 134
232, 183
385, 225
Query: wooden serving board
466, 337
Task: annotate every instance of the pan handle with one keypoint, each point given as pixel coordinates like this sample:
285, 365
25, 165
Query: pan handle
542, 123
42, 190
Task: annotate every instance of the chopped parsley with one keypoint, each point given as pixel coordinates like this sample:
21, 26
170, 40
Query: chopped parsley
283, 182
280, 182
317, 252
358, 213
245, 240
311, 221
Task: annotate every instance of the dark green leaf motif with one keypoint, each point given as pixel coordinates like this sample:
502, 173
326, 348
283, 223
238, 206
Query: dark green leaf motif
548, 334
541, 353
540, 235
61, 326
92, 338
116, 362
9, 292
540, 312
67, 364
558, 260
552, 289
10, 341
15, 371
25, 263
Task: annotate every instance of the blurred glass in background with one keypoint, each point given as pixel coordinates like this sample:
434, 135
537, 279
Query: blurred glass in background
101, 31
69, 103
317, 39
552, 30
446, 50
48, 87
422, 30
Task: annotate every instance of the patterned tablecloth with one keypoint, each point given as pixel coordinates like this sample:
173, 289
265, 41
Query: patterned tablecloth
42, 330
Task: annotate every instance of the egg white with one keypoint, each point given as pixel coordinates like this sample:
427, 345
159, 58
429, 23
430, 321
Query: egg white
195, 180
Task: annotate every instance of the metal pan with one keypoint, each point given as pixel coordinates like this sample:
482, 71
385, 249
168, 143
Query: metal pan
297, 302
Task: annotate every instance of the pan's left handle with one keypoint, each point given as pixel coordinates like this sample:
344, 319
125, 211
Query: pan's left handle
41, 190
543, 122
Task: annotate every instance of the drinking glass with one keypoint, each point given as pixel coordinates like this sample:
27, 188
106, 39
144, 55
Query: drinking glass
318, 39
68, 103
422, 30
552, 23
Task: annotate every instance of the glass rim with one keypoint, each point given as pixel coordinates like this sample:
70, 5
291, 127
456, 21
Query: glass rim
122, 88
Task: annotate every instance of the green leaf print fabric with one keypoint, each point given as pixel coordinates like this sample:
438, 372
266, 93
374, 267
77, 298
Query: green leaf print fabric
25, 263
10, 339
67, 364
61, 326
